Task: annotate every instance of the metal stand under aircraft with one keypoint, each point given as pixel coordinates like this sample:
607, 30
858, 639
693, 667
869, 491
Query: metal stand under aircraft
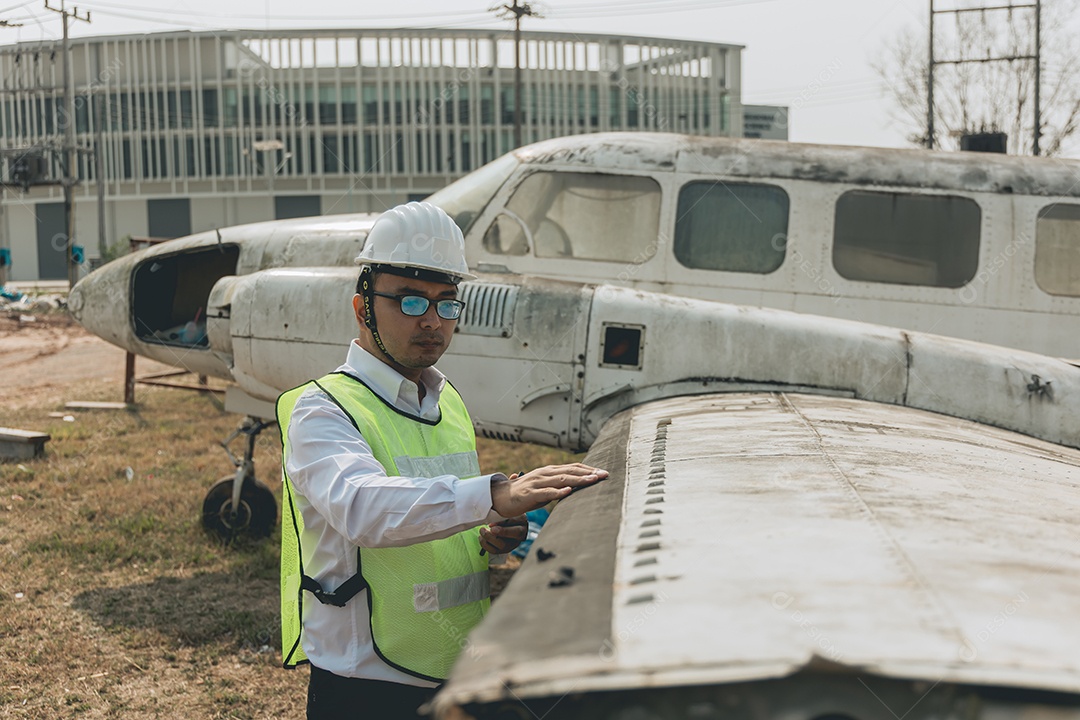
240, 504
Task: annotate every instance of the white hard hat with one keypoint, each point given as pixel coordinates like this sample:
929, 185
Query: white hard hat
417, 235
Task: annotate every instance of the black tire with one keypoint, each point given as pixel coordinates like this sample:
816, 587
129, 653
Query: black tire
256, 516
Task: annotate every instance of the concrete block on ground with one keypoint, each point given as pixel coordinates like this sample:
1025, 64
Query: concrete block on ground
21, 444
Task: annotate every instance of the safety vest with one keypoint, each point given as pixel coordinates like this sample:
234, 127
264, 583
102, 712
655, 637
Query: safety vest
423, 599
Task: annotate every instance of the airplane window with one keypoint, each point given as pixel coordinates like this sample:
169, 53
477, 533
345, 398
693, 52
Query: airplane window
466, 198
1057, 250
506, 236
582, 215
906, 239
736, 227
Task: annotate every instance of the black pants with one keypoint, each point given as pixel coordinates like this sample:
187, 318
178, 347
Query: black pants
332, 697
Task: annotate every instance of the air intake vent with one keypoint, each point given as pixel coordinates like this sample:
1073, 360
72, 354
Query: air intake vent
489, 309
505, 437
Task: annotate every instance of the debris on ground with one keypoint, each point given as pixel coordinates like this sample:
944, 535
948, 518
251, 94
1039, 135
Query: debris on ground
96, 405
14, 302
10, 295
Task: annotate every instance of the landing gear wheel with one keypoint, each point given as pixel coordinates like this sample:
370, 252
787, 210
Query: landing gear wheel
255, 516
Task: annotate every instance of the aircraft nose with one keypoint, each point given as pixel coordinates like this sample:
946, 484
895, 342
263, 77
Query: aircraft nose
77, 300
99, 302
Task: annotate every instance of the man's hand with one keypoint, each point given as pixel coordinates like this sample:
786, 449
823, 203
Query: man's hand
519, 494
504, 536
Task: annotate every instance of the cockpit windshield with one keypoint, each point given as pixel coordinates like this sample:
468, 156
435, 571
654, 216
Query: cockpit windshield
466, 198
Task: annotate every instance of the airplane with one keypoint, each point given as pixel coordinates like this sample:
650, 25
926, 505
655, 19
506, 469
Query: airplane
961, 244
968, 245
807, 516
972, 245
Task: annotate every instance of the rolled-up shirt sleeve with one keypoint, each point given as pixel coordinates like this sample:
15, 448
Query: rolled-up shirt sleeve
332, 466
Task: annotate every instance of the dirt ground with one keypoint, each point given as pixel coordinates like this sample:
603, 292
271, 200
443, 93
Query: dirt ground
51, 357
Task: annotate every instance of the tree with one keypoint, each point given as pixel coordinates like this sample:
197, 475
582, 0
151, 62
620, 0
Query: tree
988, 96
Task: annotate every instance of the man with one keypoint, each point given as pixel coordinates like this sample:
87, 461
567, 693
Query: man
387, 522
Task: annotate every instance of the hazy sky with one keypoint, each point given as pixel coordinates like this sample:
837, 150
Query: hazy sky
811, 55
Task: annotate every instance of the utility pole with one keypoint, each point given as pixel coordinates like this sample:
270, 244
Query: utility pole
517, 12
99, 175
5, 249
1037, 131
1036, 58
70, 174
930, 86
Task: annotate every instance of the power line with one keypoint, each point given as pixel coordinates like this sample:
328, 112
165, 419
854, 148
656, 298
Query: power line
647, 7
801, 87
97, 4
160, 21
584, 11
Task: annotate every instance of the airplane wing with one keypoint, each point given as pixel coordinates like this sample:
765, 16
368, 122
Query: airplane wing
774, 552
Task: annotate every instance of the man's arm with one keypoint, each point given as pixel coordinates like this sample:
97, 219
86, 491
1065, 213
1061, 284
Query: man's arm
333, 467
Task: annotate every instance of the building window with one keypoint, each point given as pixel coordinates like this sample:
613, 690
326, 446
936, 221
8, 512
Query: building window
487, 101
190, 165
348, 105
906, 239
210, 108
331, 154
327, 105
462, 102
1057, 250
348, 154
370, 153
735, 227
232, 108
615, 107
582, 215
297, 206
507, 100
178, 104
169, 218
125, 156
371, 105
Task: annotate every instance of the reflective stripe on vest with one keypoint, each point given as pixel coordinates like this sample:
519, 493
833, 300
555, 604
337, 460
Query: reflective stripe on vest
429, 597
423, 598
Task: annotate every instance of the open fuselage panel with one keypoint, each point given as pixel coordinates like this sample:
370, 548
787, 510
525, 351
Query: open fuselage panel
170, 293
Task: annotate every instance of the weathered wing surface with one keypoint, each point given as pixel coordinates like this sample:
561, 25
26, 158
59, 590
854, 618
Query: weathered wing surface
754, 536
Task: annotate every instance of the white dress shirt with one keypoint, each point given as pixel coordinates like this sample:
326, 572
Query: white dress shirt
347, 500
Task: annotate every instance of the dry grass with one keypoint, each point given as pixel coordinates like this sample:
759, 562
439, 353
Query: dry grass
113, 602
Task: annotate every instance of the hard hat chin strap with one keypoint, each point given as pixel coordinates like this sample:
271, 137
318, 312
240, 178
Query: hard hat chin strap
367, 295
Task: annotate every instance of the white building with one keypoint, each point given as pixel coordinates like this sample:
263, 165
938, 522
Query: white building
204, 130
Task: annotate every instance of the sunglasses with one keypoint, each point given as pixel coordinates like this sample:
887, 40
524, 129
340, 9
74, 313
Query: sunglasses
415, 305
